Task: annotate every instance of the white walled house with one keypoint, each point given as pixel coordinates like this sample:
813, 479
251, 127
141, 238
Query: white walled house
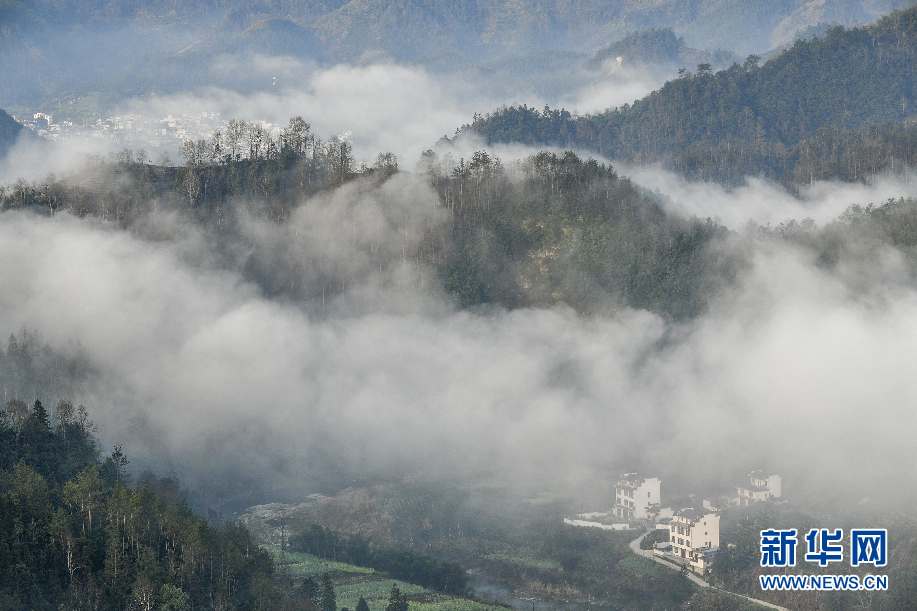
636, 497
695, 537
760, 488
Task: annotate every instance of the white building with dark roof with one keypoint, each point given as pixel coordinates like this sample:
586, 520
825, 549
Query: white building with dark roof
759, 488
695, 537
636, 497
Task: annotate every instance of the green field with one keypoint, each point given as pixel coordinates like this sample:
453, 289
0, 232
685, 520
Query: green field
638, 564
351, 582
300, 565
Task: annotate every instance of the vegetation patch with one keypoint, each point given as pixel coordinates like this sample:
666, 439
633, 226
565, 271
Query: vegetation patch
530, 562
301, 564
639, 564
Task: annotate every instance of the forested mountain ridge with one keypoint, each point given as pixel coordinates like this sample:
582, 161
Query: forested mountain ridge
55, 48
546, 230
841, 106
549, 229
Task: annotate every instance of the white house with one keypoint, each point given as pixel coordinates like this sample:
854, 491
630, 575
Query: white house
695, 537
635, 497
759, 488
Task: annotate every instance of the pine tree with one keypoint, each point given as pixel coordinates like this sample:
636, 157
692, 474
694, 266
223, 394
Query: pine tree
397, 601
329, 601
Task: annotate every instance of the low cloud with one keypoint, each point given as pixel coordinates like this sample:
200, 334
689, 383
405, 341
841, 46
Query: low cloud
204, 372
388, 106
361, 362
766, 202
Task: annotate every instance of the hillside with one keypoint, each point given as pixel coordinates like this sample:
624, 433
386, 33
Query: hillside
660, 47
840, 106
75, 533
53, 48
10, 130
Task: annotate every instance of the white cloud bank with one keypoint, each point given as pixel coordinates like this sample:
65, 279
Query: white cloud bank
203, 372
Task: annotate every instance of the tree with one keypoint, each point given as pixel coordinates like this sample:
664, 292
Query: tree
295, 137
257, 141
143, 595
115, 468
310, 590
84, 492
63, 413
18, 413
340, 160
216, 148
396, 600
328, 601
172, 598
362, 604
386, 164
41, 416
235, 132
188, 152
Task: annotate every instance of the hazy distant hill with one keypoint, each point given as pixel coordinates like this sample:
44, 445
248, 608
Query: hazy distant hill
10, 129
839, 106
661, 47
50, 46
408, 27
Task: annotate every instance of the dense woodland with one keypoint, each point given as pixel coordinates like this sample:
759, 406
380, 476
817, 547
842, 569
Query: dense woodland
545, 230
401, 562
77, 533
841, 106
550, 229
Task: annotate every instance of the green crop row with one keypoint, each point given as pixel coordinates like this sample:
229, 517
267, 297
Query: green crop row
527, 561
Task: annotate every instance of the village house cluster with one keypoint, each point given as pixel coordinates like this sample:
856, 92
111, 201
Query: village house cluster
134, 131
694, 532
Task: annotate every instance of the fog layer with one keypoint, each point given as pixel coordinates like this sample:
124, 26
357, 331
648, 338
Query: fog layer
203, 372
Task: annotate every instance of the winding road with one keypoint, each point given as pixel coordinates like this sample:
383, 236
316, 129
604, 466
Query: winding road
635, 547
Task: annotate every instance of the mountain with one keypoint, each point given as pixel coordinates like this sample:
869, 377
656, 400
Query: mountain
659, 47
838, 106
10, 131
53, 46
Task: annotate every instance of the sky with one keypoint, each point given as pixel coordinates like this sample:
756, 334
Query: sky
203, 372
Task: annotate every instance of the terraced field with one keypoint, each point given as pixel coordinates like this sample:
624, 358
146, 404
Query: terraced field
351, 582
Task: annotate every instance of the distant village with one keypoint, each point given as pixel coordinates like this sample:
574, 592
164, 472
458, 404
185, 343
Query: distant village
694, 532
133, 131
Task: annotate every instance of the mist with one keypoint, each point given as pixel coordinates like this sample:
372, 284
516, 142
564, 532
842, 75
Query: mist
204, 370
321, 344
765, 202
385, 105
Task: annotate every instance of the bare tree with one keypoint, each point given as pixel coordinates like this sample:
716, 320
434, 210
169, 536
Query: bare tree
296, 136
256, 141
216, 148
340, 160
18, 413
188, 153
64, 412
235, 132
386, 164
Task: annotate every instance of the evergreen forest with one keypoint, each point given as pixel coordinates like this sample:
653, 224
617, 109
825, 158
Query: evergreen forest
840, 106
